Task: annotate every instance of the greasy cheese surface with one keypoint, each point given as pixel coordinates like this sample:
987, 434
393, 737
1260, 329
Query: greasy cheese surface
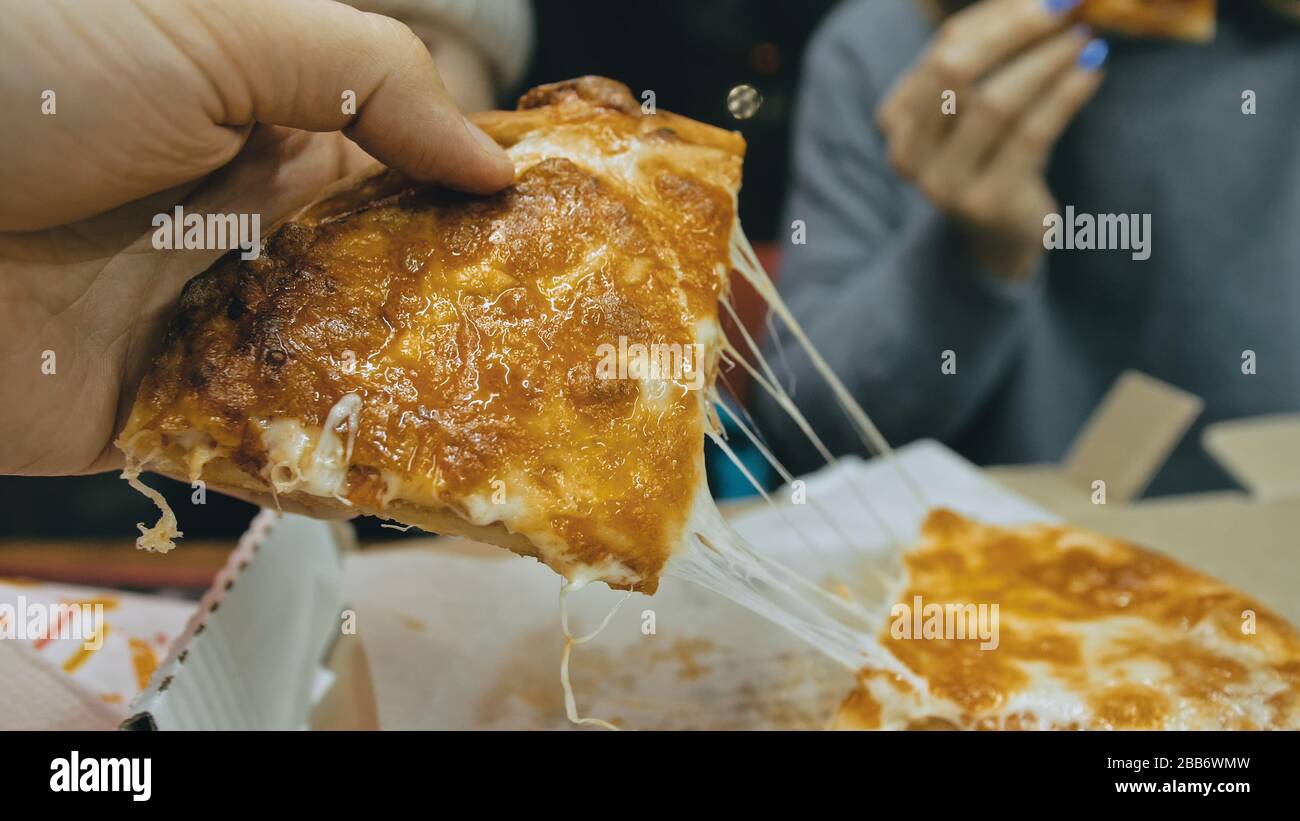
1094, 634
471, 330
1184, 19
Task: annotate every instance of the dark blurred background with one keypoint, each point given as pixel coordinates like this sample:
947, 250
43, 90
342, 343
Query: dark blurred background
690, 54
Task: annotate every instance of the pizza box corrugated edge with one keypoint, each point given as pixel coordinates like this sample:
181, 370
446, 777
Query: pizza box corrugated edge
253, 654
1245, 537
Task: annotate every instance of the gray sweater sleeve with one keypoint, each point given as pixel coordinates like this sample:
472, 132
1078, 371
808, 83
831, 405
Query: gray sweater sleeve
882, 284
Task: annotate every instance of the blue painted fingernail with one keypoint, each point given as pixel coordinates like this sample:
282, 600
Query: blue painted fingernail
1060, 6
1094, 54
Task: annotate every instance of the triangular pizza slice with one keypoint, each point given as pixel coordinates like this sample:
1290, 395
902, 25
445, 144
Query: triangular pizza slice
528, 369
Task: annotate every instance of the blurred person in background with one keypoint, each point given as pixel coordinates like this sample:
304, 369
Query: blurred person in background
925, 230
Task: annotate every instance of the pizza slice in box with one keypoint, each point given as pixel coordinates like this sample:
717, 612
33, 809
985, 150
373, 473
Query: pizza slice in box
452, 362
1179, 19
1090, 633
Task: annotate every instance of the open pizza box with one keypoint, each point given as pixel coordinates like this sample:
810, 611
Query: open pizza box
450, 634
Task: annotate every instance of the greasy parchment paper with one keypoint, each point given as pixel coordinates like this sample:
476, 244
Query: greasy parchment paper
463, 636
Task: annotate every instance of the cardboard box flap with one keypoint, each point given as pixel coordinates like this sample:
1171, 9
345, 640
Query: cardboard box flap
251, 656
1130, 435
1261, 453
1047, 485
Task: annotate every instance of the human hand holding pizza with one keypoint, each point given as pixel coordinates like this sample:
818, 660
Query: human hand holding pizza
1020, 72
119, 112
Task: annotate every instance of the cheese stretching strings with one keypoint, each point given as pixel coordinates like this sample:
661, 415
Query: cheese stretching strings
772, 385
747, 265
783, 399
161, 537
720, 441
570, 700
866, 618
775, 336
719, 558
787, 477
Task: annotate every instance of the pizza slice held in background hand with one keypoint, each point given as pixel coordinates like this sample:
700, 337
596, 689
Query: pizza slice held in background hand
1179, 19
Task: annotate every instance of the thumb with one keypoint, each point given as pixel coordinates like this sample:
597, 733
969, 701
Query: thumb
325, 66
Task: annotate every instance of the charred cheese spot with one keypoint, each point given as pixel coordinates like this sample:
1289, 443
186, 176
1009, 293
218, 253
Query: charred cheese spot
591, 394
959, 671
860, 711
1129, 707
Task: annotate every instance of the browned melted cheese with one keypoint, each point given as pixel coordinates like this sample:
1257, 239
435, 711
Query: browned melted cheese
1182, 19
471, 330
1094, 634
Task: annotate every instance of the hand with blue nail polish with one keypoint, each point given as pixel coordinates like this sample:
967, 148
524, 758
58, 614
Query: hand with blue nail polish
974, 122
1094, 54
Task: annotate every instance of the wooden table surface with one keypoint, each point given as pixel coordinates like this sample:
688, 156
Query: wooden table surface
114, 563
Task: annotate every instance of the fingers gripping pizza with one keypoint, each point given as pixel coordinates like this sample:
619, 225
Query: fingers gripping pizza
448, 362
